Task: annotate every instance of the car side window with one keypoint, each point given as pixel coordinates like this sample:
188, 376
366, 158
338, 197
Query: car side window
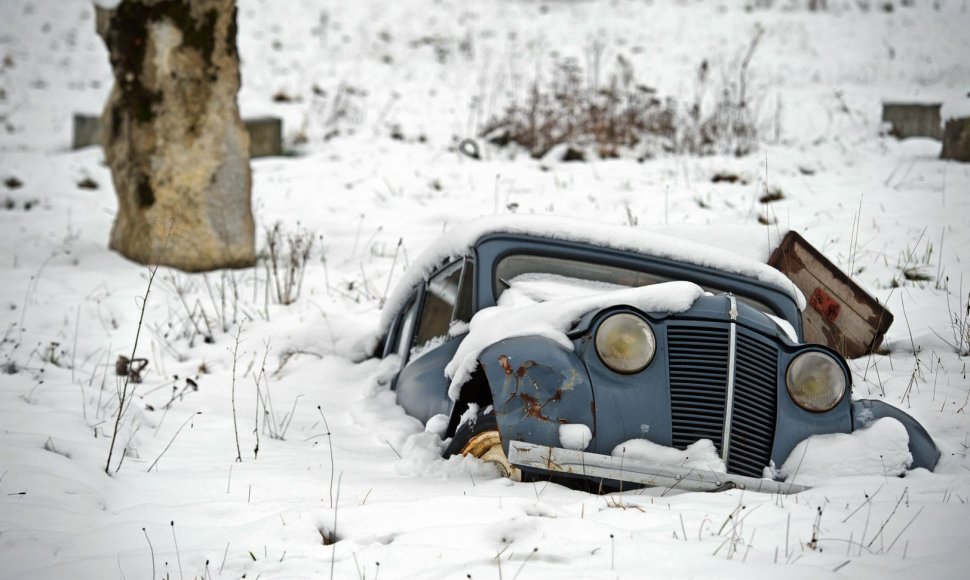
439, 304
402, 338
463, 309
447, 300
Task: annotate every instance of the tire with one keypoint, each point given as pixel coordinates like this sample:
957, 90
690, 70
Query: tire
480, 438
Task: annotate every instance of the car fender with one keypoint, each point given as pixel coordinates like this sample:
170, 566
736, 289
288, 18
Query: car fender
537, 385
925, 453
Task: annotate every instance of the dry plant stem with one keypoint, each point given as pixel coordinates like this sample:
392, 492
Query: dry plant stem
235, 425
333, 555
330, 442
151, 549
889, 297
886, 521
287, 268
534, 550
177, 554
256, 424
868, 499
906, 527
172, 440
224, 554
124, 395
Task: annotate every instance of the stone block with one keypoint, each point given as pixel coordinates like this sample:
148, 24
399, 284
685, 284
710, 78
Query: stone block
265, 134
86, 131
913, 119
956, 140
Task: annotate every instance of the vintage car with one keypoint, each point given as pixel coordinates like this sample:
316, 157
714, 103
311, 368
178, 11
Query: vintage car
544, 344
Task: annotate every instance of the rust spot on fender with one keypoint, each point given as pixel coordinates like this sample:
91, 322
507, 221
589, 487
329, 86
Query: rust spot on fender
524, 368
506, 363
532, 407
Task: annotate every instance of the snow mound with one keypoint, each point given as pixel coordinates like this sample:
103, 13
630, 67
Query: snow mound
700, 454
880, 449
575, 436
421, 457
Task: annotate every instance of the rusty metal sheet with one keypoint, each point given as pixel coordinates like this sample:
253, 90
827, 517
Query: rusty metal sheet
840, 313
537, 385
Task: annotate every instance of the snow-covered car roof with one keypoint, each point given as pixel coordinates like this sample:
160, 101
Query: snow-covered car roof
704, 246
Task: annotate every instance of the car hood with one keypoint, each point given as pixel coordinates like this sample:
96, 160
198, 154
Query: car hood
717, 308
555, 318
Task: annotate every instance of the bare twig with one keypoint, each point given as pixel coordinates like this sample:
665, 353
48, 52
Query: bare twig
235, 426
172, 440
124, 395
330, 442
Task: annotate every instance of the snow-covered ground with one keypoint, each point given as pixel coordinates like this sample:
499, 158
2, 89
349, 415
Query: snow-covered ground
375, 95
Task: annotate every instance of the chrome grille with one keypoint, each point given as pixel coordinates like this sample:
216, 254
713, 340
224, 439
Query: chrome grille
698, 363
753, 421
698, 369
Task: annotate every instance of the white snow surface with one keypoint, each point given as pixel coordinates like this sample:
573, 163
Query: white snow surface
553, 318
700, 454
575, 436
374, 95
533, 287
727, 249
880, 449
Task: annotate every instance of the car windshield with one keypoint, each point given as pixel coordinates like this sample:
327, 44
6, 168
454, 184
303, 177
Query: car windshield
523, 278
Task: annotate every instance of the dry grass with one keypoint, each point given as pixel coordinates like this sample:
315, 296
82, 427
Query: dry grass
622, 114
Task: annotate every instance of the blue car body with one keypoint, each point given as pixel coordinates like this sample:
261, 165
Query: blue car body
719, 371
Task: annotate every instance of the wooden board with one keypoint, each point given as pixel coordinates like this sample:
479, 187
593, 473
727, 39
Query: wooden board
840, 314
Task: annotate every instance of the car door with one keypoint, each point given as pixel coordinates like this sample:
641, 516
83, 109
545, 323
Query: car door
429, 331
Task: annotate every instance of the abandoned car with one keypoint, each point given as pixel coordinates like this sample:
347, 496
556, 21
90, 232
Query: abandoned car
547, 344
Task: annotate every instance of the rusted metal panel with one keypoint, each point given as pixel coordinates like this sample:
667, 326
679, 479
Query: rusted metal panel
840, 313
537, 385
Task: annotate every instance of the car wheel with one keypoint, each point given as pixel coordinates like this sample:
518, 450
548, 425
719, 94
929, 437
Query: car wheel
480, 438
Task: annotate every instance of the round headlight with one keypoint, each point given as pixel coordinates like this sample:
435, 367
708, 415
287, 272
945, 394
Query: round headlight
625, 343
815, 381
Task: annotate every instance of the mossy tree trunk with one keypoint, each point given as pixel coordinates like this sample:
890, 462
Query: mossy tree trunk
173, 138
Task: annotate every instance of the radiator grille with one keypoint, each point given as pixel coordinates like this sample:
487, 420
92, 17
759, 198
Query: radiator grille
698, 364
753, 421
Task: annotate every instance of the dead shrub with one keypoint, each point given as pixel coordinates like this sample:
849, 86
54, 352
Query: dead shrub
625, 114
619, 114
288, 253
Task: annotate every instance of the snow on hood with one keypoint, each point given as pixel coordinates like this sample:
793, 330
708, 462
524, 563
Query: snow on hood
552, 319
704, 246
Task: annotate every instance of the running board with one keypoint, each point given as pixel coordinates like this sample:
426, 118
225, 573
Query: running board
596, 466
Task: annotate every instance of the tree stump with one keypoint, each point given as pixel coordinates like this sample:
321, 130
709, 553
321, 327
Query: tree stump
956, 140
173, 137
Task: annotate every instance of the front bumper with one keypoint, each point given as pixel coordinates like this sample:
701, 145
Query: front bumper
597, 467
